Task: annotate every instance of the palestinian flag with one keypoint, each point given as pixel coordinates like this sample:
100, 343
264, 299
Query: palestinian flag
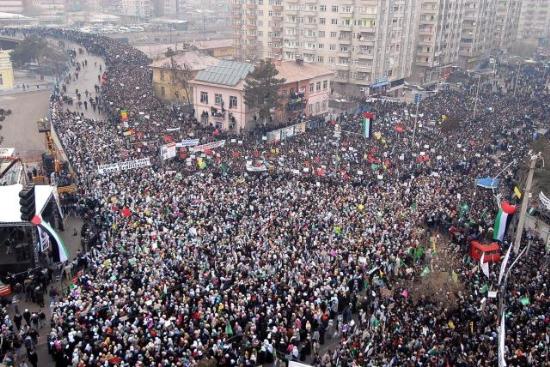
502, 220
62, 254
366, 127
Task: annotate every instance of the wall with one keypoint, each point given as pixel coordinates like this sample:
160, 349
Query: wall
6, 71
170, 88
240, 113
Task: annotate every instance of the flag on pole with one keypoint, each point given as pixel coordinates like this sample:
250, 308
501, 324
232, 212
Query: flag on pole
501, 339
503, 265
517, 192
366, 127
502, 220
484, 265
61, 254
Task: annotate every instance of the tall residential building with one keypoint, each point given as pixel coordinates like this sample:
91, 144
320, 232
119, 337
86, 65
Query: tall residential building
257, 29
369, 44
478, 37
138, 9
11, 6
506, 22
534, 20
439, 35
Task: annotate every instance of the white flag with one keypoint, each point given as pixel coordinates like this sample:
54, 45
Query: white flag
484, 265
503, 265
501, 338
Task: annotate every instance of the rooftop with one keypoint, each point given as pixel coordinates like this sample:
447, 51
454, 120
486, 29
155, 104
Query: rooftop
193, 59
211, 44
294, 72
228, 73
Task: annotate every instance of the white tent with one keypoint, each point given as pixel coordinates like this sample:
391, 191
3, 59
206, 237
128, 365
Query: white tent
10, 210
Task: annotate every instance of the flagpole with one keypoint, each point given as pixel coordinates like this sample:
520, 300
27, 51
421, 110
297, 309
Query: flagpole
525, 202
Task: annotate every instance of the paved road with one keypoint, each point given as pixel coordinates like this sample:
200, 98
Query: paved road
19, 129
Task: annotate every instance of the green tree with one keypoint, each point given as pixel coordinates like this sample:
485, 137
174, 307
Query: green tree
261, 90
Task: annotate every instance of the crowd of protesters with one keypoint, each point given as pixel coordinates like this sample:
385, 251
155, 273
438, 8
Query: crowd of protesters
214, 265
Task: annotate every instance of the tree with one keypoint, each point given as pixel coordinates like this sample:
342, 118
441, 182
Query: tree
261, 90
180, 76
34, 49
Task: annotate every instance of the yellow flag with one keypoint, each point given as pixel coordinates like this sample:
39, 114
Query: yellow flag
517, 192
454, 276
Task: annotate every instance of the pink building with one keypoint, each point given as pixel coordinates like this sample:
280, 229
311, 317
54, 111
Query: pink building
218, 96
306, 89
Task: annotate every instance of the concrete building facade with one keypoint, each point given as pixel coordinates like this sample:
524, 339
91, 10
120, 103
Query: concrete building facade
138, 9
478, 37
438, 40
534, 20
506, 22
6, 70
12, 6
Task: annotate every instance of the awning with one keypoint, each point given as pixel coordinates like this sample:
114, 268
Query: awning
9, 197
487, 182
380, 84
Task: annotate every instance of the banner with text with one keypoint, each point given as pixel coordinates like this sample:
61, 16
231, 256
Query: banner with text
123, 166
202, 148
187, 143
168, 151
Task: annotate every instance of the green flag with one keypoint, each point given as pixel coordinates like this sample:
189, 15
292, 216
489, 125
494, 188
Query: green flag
418, 253
484, 289
425, 272
525, 301
228, 329
337, 229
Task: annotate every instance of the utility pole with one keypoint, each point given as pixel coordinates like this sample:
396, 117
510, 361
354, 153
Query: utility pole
417, 99
477, 94
524, 202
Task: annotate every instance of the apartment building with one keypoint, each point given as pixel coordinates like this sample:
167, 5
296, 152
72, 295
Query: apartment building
257, 29
506, 22
534, 20
368, 44
11, 6
438, 40
478, 37
136, 9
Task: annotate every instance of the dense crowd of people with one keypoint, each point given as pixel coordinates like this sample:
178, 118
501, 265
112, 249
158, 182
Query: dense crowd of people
312, 260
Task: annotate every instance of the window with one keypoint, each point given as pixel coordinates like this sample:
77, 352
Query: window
321, 45
162, 75
335, 8
322, 7
318, 86
322, 20
162, 92
332, 47
320, 59
218, 99
334, 21
321, 34
325, 84
204, 97
311, 87
1, 79
333, 34
232, 102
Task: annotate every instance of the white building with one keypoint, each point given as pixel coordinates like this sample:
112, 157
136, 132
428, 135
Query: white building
478, 37
138, 9
11, 6
506, 22
534, 20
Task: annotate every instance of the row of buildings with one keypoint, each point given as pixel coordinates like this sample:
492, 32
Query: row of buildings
376, 44
215, 88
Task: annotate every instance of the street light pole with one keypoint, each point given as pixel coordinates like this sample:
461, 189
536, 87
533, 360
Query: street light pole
525, 201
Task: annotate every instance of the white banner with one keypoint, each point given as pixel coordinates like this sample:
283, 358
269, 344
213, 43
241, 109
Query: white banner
254, 168
6, 152
213, 145
123, 166
187, 143
168, 151
544, 200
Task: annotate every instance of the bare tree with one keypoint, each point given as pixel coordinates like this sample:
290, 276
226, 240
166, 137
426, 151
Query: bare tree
180, 76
